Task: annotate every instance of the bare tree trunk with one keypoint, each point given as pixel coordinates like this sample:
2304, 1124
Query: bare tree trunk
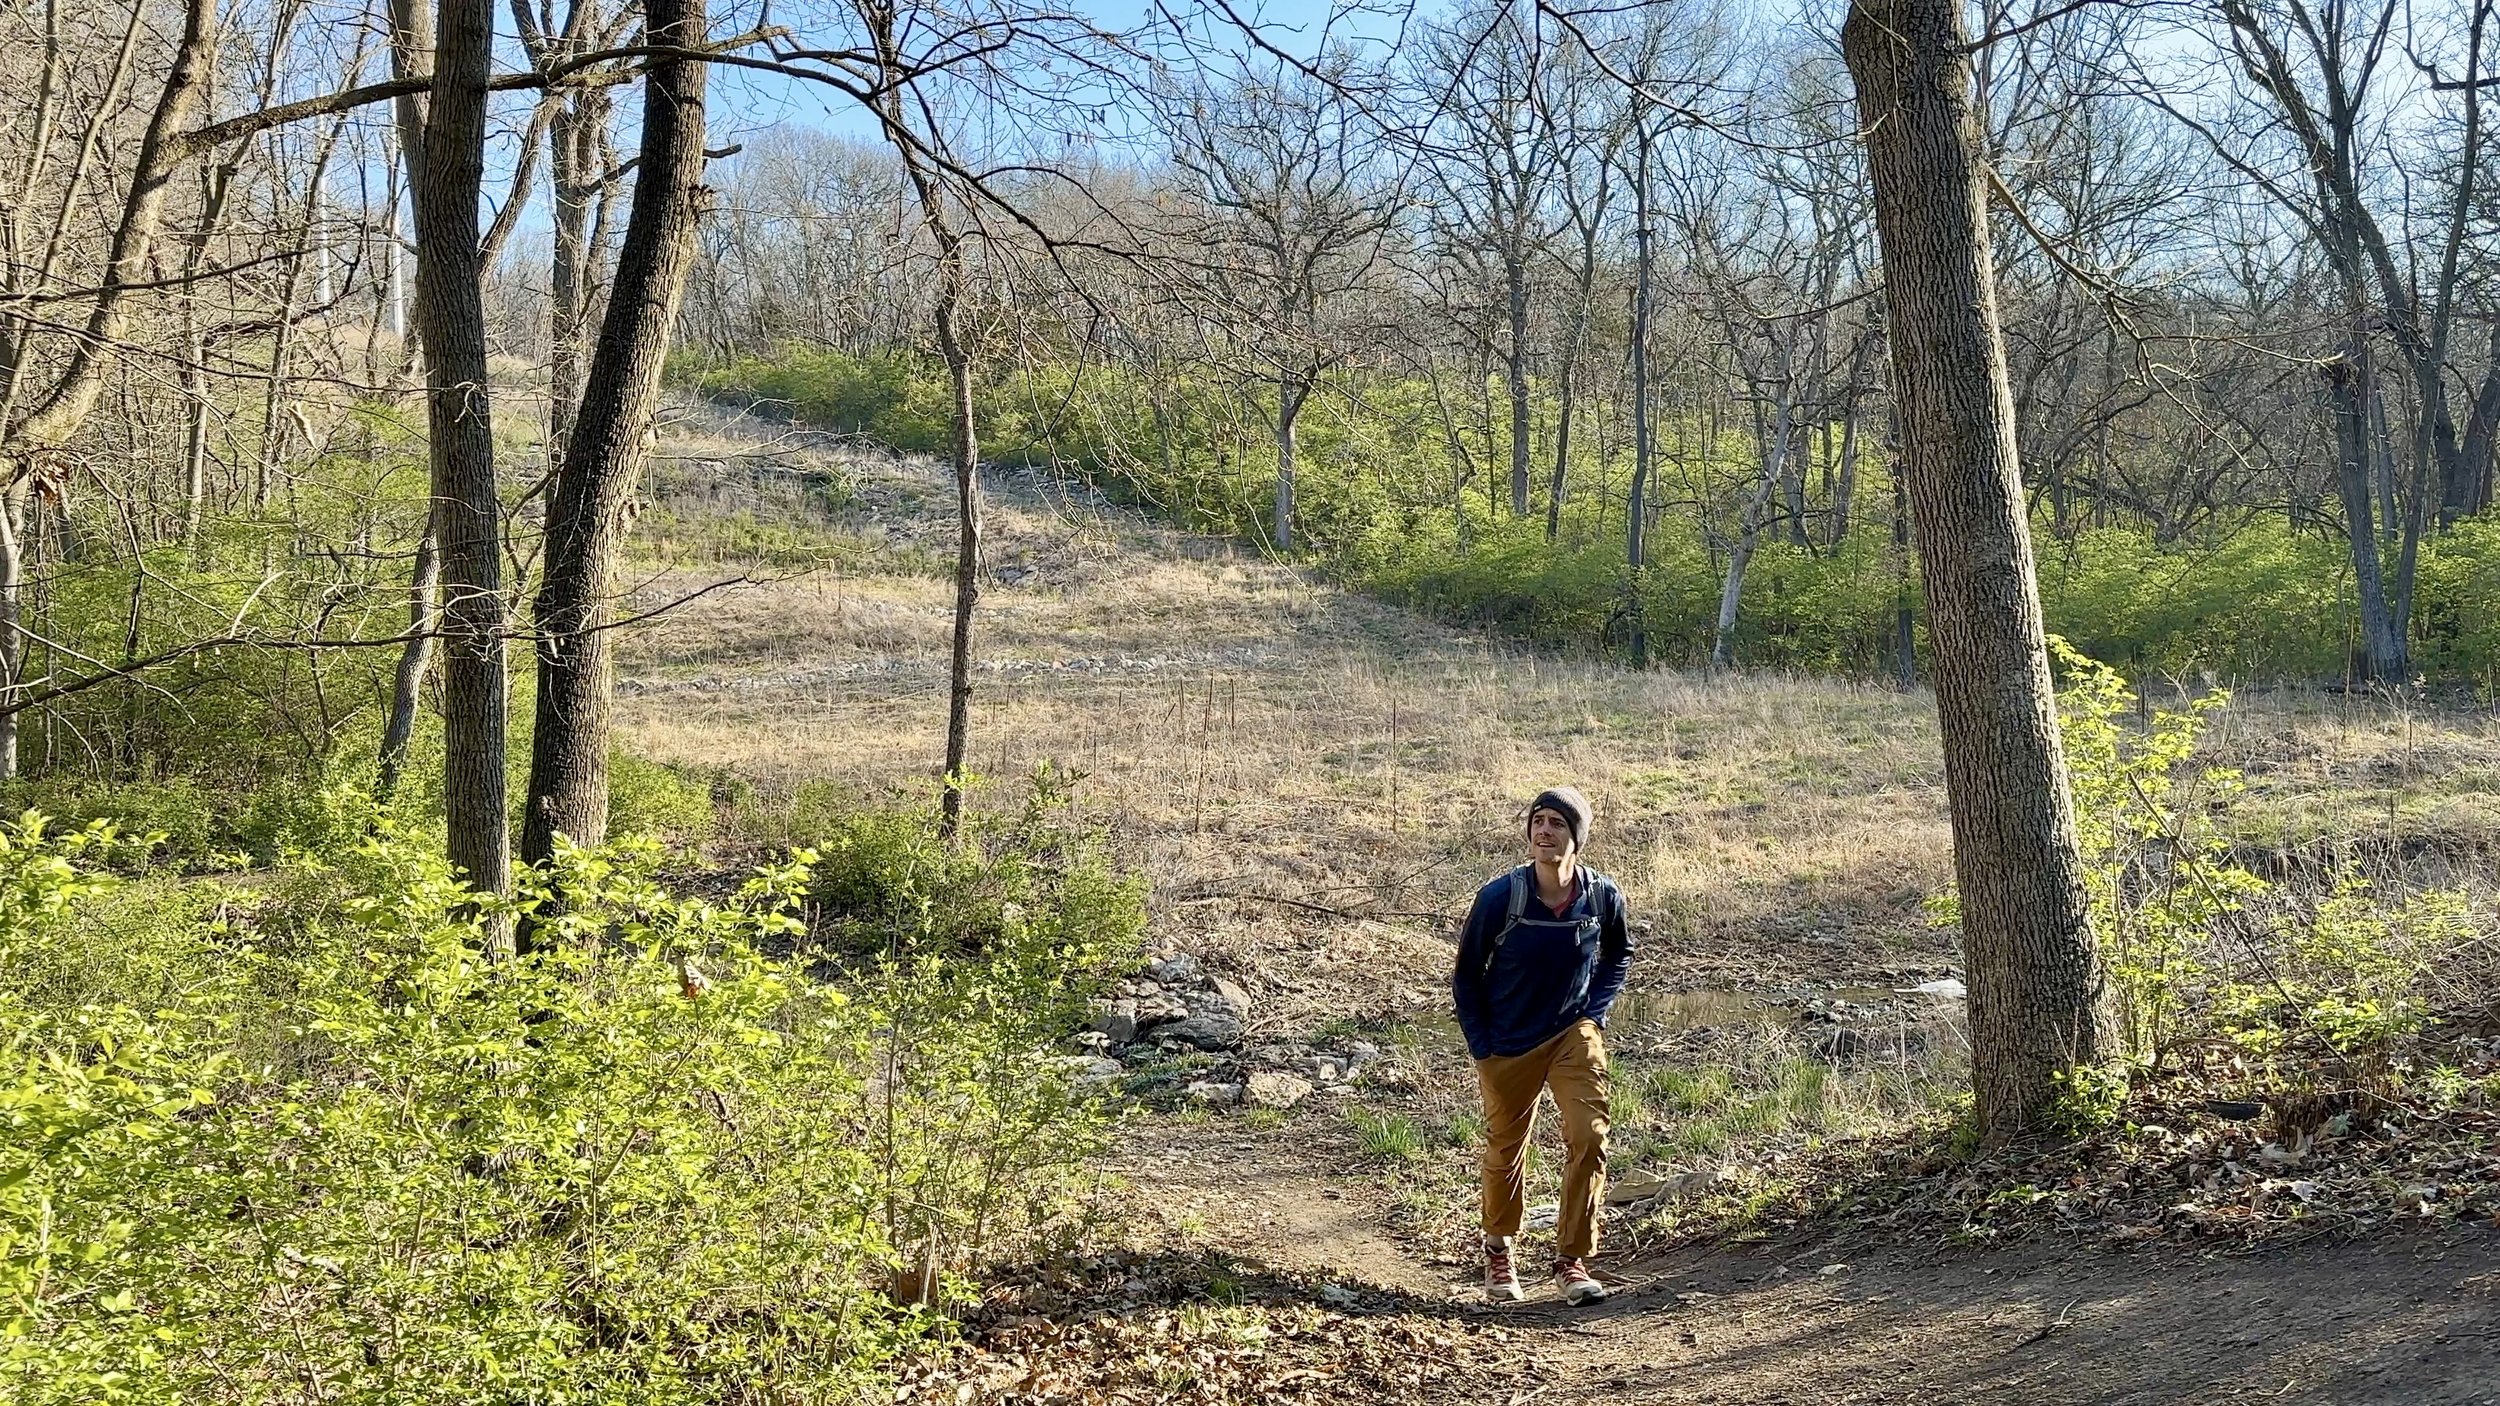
967, 542
573, 171
1636, 518
1289, 397
1793, 490
195, 422
1904, 606
609, 442
2036, 997
12, 615
2382, 638
2482, 435
1749, 524
1845, 491
1515, 367
408, 683
451, 321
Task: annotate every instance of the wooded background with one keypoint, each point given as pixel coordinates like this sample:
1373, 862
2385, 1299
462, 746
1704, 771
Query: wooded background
1565, 321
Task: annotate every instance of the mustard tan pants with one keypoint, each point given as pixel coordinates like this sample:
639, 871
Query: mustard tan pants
1573, 1065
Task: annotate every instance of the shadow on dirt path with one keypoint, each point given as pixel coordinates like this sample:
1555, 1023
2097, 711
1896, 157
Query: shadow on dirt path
2399, 1319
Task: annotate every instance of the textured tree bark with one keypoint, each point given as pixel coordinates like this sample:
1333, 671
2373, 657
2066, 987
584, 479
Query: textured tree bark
609, 441
2036, 982
451, 323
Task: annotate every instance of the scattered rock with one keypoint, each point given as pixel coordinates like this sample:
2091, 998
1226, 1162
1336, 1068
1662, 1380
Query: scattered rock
1338, 1296
1208, 1091
1157, 1010
1637, 1186
1117, 1020
1233, 996
1945, 988
1544, 1215
1364, 1052
1269, 1089
1092, 1069
1207, 1029
1180, 969
1327, 1069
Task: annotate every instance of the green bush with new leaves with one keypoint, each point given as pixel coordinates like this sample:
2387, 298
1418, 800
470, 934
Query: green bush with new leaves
299, 1139
2202, 951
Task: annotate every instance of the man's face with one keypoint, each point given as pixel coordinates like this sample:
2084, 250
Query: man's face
1549, 836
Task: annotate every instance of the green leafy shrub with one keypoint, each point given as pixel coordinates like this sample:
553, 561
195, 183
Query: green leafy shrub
2345, 981
305, 1142
657, 800
1379, 470
2201, 949
2156, 865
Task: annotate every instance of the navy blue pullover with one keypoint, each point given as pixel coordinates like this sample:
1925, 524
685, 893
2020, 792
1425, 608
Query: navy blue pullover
1551, 972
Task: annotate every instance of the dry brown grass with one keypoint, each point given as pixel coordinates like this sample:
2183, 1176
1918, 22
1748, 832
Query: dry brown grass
1244, 730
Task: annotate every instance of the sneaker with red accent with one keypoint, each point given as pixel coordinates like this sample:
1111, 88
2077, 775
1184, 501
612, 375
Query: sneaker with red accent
1572, 1281
1501, 1277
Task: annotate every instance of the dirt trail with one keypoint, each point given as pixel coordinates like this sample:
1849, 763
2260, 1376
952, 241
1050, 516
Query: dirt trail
1250, 734
2404, 1318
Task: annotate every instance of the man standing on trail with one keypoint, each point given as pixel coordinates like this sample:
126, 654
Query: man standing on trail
1542, 957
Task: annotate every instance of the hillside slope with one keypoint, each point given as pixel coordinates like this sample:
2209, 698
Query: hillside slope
1313, 783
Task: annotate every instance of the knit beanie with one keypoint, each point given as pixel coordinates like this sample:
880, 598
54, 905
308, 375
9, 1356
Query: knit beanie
1570, 805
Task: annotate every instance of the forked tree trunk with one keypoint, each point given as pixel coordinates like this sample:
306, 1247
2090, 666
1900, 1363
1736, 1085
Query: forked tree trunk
608, 443
451, 322
2036, 981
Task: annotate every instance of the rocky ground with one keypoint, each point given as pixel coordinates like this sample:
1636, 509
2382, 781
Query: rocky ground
1313, 783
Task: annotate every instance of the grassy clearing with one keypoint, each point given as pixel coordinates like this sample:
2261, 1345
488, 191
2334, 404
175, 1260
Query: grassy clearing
1255, 741
1249, 734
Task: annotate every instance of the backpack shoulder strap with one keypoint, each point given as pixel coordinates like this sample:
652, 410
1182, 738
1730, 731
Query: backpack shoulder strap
1520, 883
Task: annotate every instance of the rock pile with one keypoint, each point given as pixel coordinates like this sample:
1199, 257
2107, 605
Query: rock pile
1176, 1003
1178, 1008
